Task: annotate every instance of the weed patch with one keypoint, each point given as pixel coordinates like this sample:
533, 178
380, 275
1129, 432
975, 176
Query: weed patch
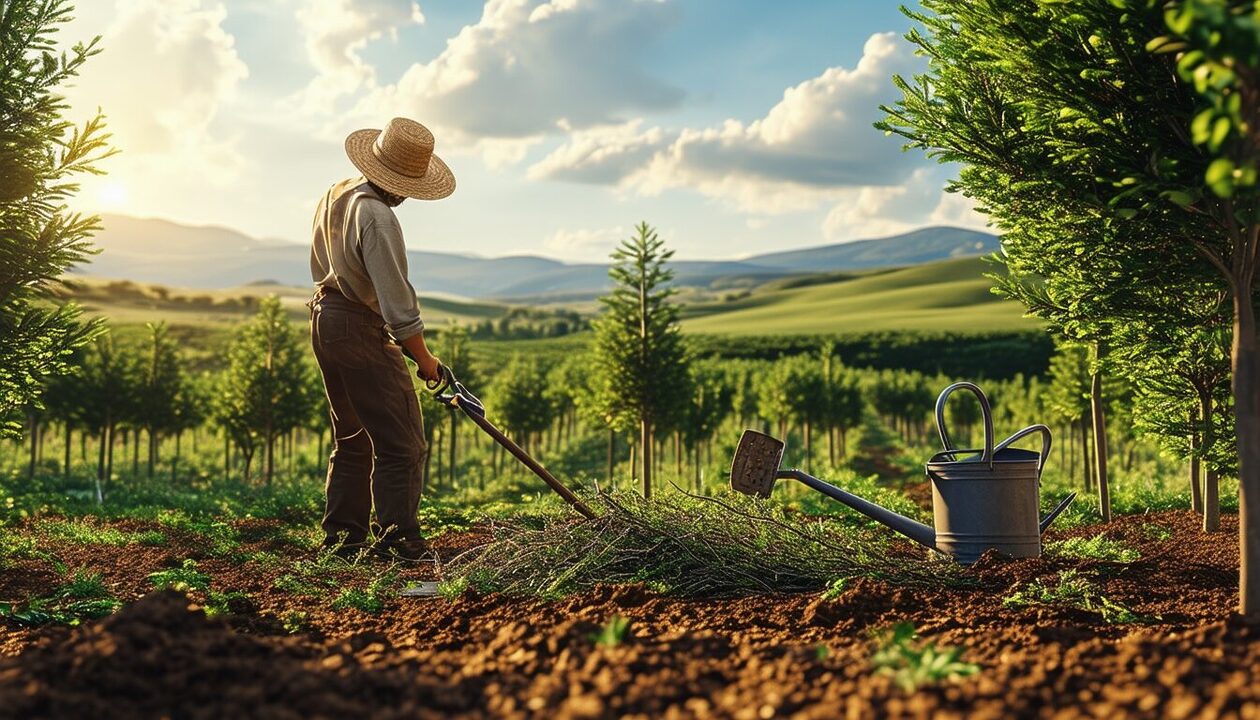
84, 532
370, 599
1098, 547
185, 578
1076, 591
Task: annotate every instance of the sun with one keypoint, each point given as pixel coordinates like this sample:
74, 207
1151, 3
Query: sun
112, 195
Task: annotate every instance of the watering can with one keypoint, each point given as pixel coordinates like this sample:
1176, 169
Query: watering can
989, 500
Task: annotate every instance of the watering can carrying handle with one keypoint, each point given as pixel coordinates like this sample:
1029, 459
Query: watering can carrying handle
1045, 444
987, 455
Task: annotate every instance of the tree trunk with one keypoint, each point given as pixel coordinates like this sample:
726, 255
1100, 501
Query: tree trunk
153, 451
809, 451
1100, 447
678, 462
1211, 501
1087, 457
452, 456
30, 468
65, 466
698, 477
1246, 369
271, 452
175, 461
645, 442
109, 456
634, 462
100, 468
831, 446
135, 452
1196, 491
612, 453
227, 456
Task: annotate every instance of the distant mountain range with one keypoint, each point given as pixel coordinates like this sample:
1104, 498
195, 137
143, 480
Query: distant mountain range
160, 251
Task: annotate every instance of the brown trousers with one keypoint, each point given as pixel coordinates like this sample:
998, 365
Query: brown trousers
378, 448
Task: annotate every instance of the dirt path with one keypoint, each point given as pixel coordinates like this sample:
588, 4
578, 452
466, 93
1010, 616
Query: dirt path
757, 657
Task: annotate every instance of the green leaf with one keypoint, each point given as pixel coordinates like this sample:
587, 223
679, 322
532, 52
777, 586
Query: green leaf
1220, 177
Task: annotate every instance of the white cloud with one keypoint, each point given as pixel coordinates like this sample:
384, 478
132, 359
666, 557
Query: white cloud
167, 70
585, 244
336, 32
920, 200
528, 67
604, 154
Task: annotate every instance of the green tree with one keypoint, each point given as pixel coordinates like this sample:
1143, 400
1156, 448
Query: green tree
39, 238
711, 397
1113, 143
844, 402
640, 360
161, 385
268, 387
109, 388
518, 398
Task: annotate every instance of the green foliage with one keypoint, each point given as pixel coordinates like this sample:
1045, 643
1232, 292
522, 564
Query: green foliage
452, 589
1074, 590
518, 397
295, 621
185, 578
84, 585
83, 596
1097, 547
84, 532
913, 665
369, 599
640, 364
232, 602
835, 588
268, 388
221, 538
40, 239
613, 633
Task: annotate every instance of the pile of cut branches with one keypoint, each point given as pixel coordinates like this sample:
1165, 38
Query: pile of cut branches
687, 545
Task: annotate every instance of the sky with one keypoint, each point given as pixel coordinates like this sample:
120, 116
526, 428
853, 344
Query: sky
733, 126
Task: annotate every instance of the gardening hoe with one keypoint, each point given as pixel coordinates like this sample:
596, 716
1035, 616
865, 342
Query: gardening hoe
449, 391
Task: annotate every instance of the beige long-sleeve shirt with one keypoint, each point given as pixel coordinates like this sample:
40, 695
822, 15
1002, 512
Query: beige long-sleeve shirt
357, 249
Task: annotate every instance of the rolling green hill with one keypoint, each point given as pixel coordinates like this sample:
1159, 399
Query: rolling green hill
949, 295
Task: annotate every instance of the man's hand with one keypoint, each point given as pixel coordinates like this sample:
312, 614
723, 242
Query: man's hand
429, 368
429, 364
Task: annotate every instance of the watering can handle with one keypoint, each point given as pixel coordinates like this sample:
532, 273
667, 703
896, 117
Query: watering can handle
1045, 444
987, 455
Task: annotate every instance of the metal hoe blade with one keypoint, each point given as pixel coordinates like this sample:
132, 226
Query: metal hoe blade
756, 463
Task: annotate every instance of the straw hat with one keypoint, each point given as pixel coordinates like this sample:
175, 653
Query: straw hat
400, 159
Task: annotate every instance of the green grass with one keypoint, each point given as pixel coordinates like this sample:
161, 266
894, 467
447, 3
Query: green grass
370, 599
83, 597
185, 578
952, 294
83, 532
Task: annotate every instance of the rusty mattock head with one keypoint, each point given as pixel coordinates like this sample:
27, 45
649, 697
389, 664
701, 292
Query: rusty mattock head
756, 464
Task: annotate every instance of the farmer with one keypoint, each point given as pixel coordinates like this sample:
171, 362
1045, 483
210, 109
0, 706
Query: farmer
364, 308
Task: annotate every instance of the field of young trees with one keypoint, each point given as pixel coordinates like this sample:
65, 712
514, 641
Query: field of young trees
161, 484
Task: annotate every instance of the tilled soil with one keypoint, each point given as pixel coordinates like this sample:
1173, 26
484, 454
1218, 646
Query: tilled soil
755, 657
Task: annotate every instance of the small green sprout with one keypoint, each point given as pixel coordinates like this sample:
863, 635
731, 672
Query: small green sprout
912, 664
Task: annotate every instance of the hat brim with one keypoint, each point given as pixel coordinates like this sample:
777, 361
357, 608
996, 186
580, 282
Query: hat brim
438, 181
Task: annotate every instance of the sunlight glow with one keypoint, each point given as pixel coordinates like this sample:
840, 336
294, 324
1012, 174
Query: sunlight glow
112, 195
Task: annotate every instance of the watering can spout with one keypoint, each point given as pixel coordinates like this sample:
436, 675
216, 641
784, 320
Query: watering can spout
916, 531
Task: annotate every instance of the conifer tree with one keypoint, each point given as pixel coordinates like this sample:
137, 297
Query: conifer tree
268, 387
40, 238
640, 361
